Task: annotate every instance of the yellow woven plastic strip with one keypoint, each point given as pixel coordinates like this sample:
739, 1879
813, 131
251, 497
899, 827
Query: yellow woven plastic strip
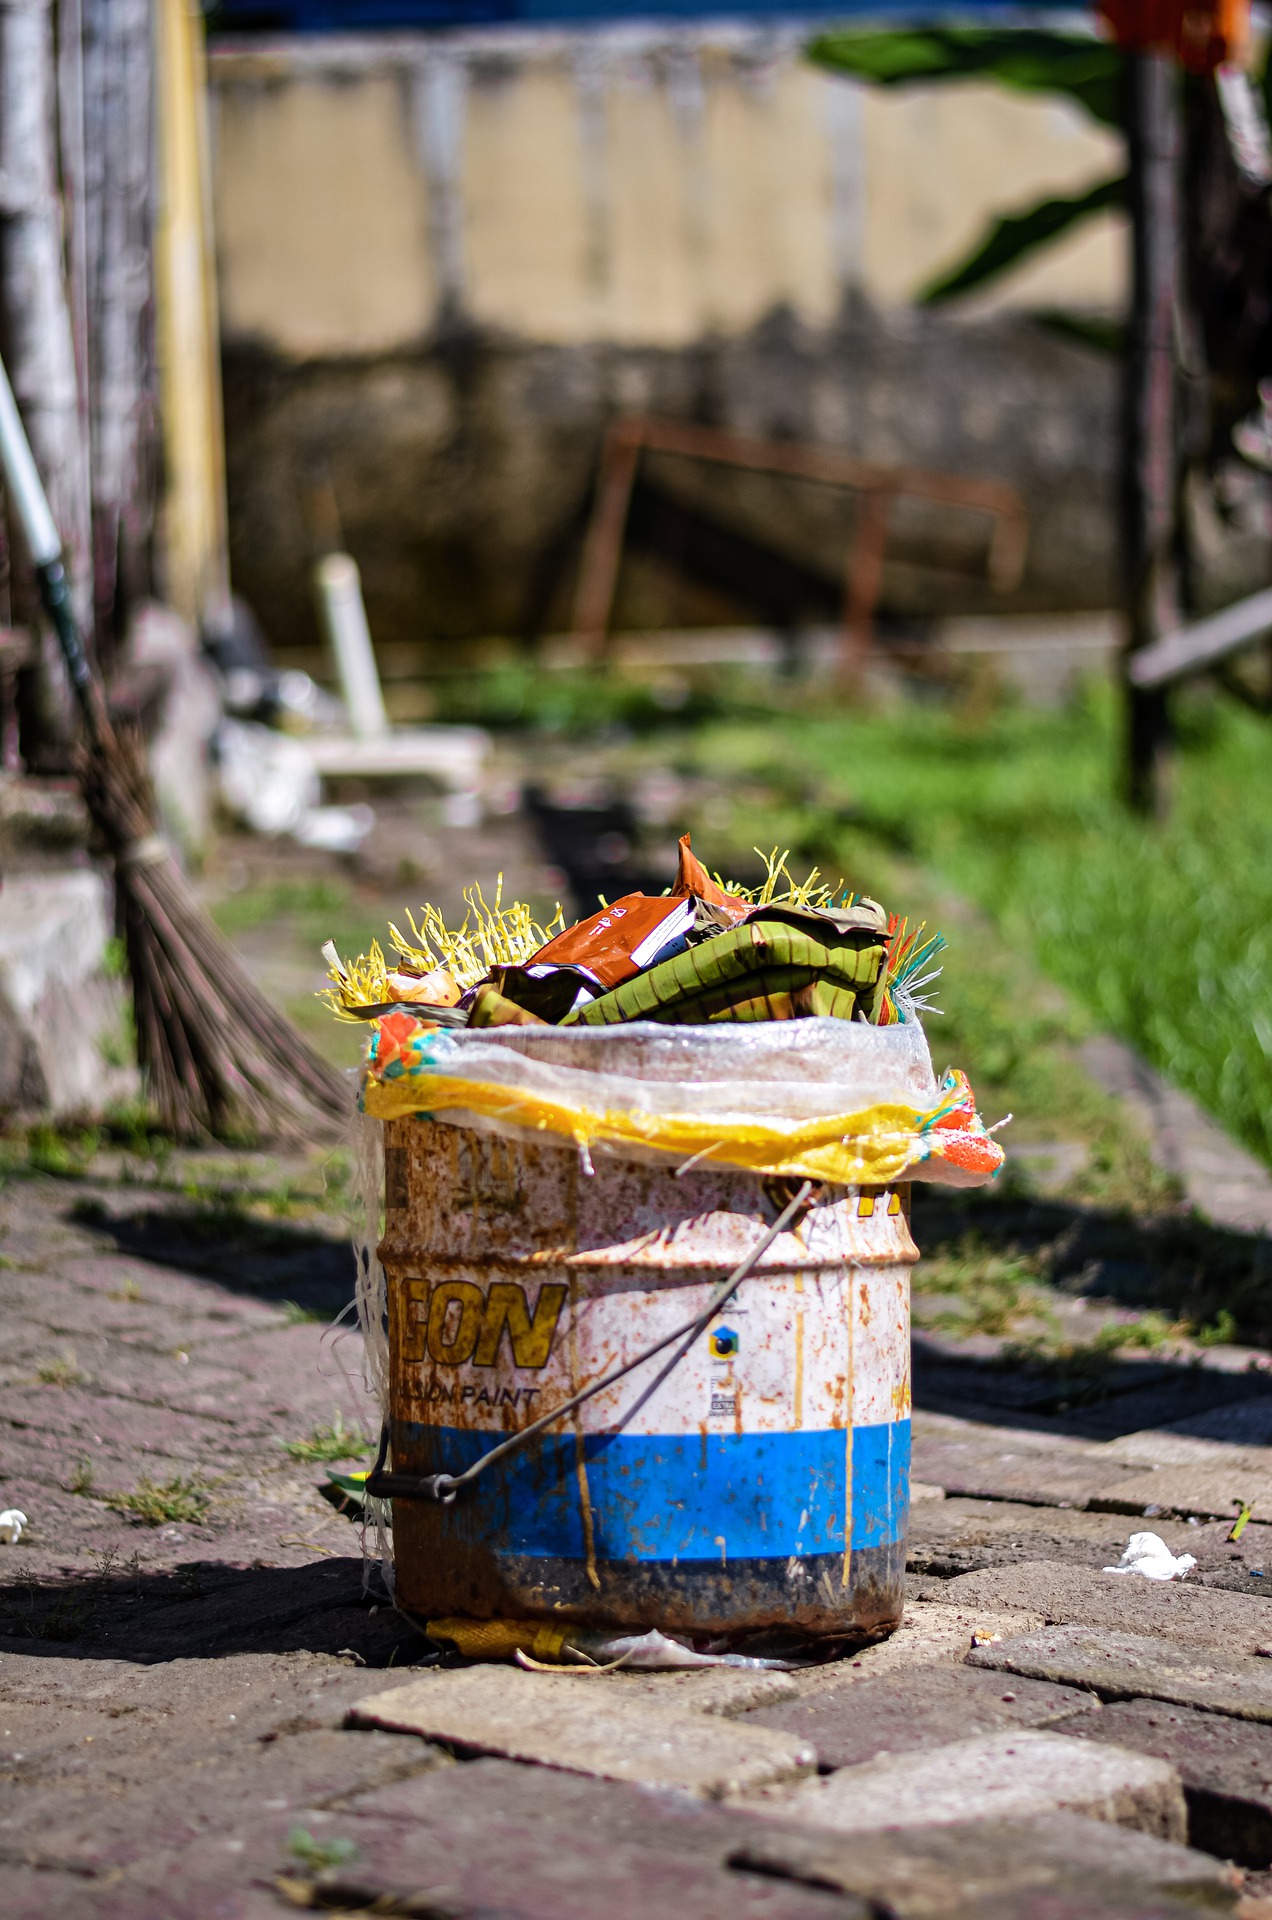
500, 1639
872, 1147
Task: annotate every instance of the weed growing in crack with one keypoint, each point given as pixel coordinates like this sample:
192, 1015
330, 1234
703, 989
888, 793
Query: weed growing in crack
1222, 1331
109, 1564
336, 1442
297, 1315
62, 1372
1084, 1366
65, 1152
68, 1619
155, 1502
995, 1290
317, 1854
81, 1480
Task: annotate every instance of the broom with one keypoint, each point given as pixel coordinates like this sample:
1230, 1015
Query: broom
216, 1057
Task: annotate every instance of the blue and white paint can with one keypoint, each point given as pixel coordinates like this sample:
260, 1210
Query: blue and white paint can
765, 1482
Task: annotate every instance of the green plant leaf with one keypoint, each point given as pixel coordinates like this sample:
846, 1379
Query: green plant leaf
1030, 60
1013, 236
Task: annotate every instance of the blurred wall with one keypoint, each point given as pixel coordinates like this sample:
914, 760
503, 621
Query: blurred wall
445, 261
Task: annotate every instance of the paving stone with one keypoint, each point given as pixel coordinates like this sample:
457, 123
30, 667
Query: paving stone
929, 1873
723, 1690
934, 1428
1242, 1423
220, 1610
986, 1465
85, 1418
1168, 1447
905, 1711
1124, 1666
1222, 1180
1255, 1581
1225, 1766
533, 1842
931, 1633
1202, 1384
542, 1873
1063, 1594
91, 1822
961, 1535
1001, 1776
1210, 1492
585, 1726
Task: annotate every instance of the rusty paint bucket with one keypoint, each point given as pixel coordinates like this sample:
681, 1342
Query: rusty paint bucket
765, 1483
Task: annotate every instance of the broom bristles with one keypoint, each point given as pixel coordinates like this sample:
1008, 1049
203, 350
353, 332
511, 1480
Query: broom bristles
216, 1056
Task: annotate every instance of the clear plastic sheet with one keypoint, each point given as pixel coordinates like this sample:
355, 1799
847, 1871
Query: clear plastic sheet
824, 1099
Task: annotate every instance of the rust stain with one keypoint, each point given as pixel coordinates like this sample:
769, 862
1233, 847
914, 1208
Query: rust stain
580, 1462
797, 1414
850, 1289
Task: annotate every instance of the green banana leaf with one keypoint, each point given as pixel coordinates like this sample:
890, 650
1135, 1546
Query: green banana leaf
1014, 236
746, 954
346, 1491
776, 993
1030, 60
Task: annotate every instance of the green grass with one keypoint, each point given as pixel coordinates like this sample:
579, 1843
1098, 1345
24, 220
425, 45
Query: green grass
320, 900
1163, 933
581, 704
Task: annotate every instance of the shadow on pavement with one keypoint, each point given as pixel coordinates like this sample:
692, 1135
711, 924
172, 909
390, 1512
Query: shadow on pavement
206, 1610
1178, 1265
271, 1259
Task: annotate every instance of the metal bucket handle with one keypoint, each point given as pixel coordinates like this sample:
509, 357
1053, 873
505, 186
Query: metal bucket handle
445, 1487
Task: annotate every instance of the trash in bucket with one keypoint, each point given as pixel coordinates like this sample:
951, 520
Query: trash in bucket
645, 1267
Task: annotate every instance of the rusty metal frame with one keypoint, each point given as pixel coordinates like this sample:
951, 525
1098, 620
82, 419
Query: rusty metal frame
633, 434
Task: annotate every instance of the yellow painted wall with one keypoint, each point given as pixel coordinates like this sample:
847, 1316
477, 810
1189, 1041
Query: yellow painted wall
524, 207
321, 215
643, 191
942, 162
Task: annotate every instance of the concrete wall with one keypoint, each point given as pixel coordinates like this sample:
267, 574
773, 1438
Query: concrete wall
445, 261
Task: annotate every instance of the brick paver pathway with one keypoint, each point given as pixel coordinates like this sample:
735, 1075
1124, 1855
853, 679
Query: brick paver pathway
180, 1728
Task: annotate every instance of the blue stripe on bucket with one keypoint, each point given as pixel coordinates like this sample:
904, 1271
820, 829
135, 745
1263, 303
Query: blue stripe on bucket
680, 1497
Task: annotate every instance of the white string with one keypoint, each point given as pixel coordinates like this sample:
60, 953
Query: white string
371, 1296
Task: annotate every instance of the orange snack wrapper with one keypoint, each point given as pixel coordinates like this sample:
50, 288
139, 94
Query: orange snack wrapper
692, 877
620, 939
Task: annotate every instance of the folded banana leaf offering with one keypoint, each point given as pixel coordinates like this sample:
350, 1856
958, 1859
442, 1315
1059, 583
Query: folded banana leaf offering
699, 954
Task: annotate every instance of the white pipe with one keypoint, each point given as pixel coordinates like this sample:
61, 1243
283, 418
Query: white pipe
26, 490
344, 620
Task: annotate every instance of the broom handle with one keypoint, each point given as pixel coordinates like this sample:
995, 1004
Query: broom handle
31, 506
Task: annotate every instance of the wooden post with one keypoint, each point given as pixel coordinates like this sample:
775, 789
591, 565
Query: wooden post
194, 518
119, 143
35, 322
1149, 492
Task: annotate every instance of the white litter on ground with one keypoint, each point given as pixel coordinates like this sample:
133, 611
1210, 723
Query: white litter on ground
1148, 1554
12, 1522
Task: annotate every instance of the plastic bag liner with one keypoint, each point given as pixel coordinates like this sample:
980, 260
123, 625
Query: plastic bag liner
811, 1099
